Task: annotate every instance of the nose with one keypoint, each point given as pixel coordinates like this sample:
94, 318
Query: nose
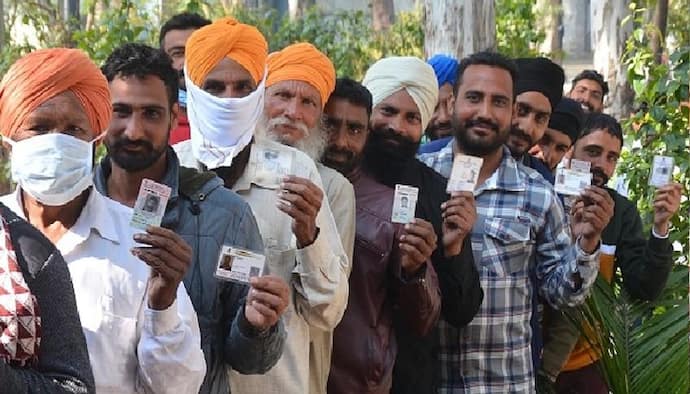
443, 114
292, 110
397, 124
134, 129
338, 138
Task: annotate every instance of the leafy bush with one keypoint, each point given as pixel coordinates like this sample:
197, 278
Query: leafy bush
517, 31
661, 126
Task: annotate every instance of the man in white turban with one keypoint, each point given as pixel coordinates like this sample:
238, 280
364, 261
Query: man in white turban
405, 92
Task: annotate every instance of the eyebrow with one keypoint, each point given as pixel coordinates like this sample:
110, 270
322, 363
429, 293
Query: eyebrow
145, 105
532, 109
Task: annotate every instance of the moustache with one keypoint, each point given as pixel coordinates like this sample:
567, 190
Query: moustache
518, 132
126, 142
284, 121
599, 173
487, 124
333, 151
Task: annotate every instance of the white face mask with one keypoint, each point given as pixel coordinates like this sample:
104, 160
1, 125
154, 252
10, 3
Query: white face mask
53, 168
221, 127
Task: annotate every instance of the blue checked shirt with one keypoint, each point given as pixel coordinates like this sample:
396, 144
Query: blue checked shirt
520, 227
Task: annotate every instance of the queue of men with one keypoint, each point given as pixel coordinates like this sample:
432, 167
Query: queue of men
273, 155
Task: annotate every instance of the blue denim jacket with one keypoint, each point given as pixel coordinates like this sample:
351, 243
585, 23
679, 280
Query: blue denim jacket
208, 218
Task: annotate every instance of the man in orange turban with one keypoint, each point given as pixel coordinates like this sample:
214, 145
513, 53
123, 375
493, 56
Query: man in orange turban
300, 80
140, 327
225, 79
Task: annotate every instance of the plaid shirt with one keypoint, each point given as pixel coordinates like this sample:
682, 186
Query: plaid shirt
520, 227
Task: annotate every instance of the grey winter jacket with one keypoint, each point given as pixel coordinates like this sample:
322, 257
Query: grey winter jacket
207, 216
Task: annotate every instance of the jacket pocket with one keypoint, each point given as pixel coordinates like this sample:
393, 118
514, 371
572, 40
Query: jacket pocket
508, 246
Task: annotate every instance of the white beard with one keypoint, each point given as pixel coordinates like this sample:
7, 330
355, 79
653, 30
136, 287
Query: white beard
313, 144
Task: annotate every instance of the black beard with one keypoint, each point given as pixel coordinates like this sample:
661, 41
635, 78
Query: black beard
351, 161
517, 132
387, 161
477, 148
598, 172
133, 162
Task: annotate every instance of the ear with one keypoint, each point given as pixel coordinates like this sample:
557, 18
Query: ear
569, 154
174, 115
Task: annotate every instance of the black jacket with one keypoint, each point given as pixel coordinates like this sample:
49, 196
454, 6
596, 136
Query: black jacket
461, 293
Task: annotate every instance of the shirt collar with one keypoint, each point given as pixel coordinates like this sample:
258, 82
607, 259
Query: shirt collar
94, 216
507, 176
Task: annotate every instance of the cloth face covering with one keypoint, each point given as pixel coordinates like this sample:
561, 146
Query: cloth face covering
221, 127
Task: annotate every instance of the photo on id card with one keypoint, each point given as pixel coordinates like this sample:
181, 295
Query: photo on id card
662, 170
464, 175
149, 208
271, 165
404, 204
571, 182
239, 265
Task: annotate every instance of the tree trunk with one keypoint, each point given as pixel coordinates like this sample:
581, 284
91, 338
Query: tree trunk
660, 21
458, 27
608, 39
383, 14
2, 25
297, 8
550, 18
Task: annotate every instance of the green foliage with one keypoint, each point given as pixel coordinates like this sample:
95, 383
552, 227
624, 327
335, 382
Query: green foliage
128, 23
660, 127
346, 37
517, 31
643, 346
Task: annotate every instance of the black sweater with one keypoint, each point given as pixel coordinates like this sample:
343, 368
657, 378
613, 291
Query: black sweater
63, 360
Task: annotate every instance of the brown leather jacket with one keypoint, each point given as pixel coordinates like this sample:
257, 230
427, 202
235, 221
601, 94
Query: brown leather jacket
364, 343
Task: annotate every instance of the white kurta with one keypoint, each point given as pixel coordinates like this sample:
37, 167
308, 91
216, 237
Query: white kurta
132, 348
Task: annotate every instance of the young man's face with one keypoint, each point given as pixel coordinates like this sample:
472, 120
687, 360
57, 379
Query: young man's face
142, 119
439, 124
589, 94
347, 127
173, 44
551, 148
532, 114
602, 150
483, 109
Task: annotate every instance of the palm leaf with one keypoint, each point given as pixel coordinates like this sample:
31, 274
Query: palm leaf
643, 346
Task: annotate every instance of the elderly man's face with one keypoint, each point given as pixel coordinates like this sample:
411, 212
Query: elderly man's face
228, 79
347, 126
137, 136
292, 109
589, 94
60, 114
532, 114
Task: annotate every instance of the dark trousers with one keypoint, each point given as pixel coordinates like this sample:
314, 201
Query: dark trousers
586, 380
